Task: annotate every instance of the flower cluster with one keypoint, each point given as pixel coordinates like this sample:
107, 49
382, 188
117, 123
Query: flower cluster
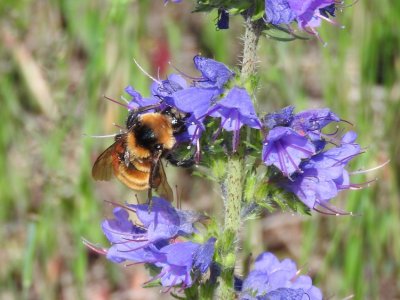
157, 241
308, 14
203, 97
313, 163
273, 279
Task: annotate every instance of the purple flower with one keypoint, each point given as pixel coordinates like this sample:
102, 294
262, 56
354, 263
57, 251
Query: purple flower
279, 12
315, 186
203, 256
174, 1
154, 241
284, 117
214, 73
198, 98
310, 122
284, 294
129, 241
194, 100
307, 13
134, 241
324, 175
177, 262
236, 110
164, 221
274, 279
137, 99
166, 88
285, 149
295, 137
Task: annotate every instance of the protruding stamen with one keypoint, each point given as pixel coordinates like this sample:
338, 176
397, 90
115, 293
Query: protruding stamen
183, 73
133, 264
117, 102
119, 126
93, 247
125, 100
100, 136
369, 170
145, 72
121, 205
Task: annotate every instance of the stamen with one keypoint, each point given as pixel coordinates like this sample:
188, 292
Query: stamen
369, 170
134, 249
266, 152
172, 285
348, 122
194, 137
323, 212
236, 133
347, 158
198, 153
126, 241
100, 136
119, 126
333, 22
333, 133
281, 159
130, 234
349, 297
146, 73
315, 33
184, 74
287, 155
121, 205
124, 99
301, 149
358, 186
217, 133
346, 6
93, 247
336, 210
133, 264
117, 102
156, 277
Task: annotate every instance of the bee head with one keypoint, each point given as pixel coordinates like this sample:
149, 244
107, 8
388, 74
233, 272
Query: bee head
177, 119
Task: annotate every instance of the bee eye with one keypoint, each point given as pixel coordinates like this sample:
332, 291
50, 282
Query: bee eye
158, 147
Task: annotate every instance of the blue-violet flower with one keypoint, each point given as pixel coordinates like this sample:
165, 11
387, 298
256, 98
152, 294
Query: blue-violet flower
274, 279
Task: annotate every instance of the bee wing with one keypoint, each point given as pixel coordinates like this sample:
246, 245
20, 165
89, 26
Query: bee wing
164, 189
103, 168
158, 179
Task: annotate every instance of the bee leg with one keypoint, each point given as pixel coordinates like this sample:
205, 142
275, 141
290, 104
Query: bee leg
149, 199
174, 160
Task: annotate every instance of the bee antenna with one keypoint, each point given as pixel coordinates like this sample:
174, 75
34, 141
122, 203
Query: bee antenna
117, 102
100, 136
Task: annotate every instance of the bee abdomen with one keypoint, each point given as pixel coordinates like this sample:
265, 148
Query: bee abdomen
143, 166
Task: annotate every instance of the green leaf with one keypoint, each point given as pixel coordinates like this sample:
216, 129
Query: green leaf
259, 10
250, 187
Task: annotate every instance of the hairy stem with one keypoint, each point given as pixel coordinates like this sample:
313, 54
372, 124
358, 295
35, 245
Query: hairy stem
250, 42
233, 183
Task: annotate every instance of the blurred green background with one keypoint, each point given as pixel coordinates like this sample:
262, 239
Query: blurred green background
57, 60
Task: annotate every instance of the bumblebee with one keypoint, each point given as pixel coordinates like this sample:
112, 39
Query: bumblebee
135, 156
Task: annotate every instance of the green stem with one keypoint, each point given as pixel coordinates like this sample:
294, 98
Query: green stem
233, 183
